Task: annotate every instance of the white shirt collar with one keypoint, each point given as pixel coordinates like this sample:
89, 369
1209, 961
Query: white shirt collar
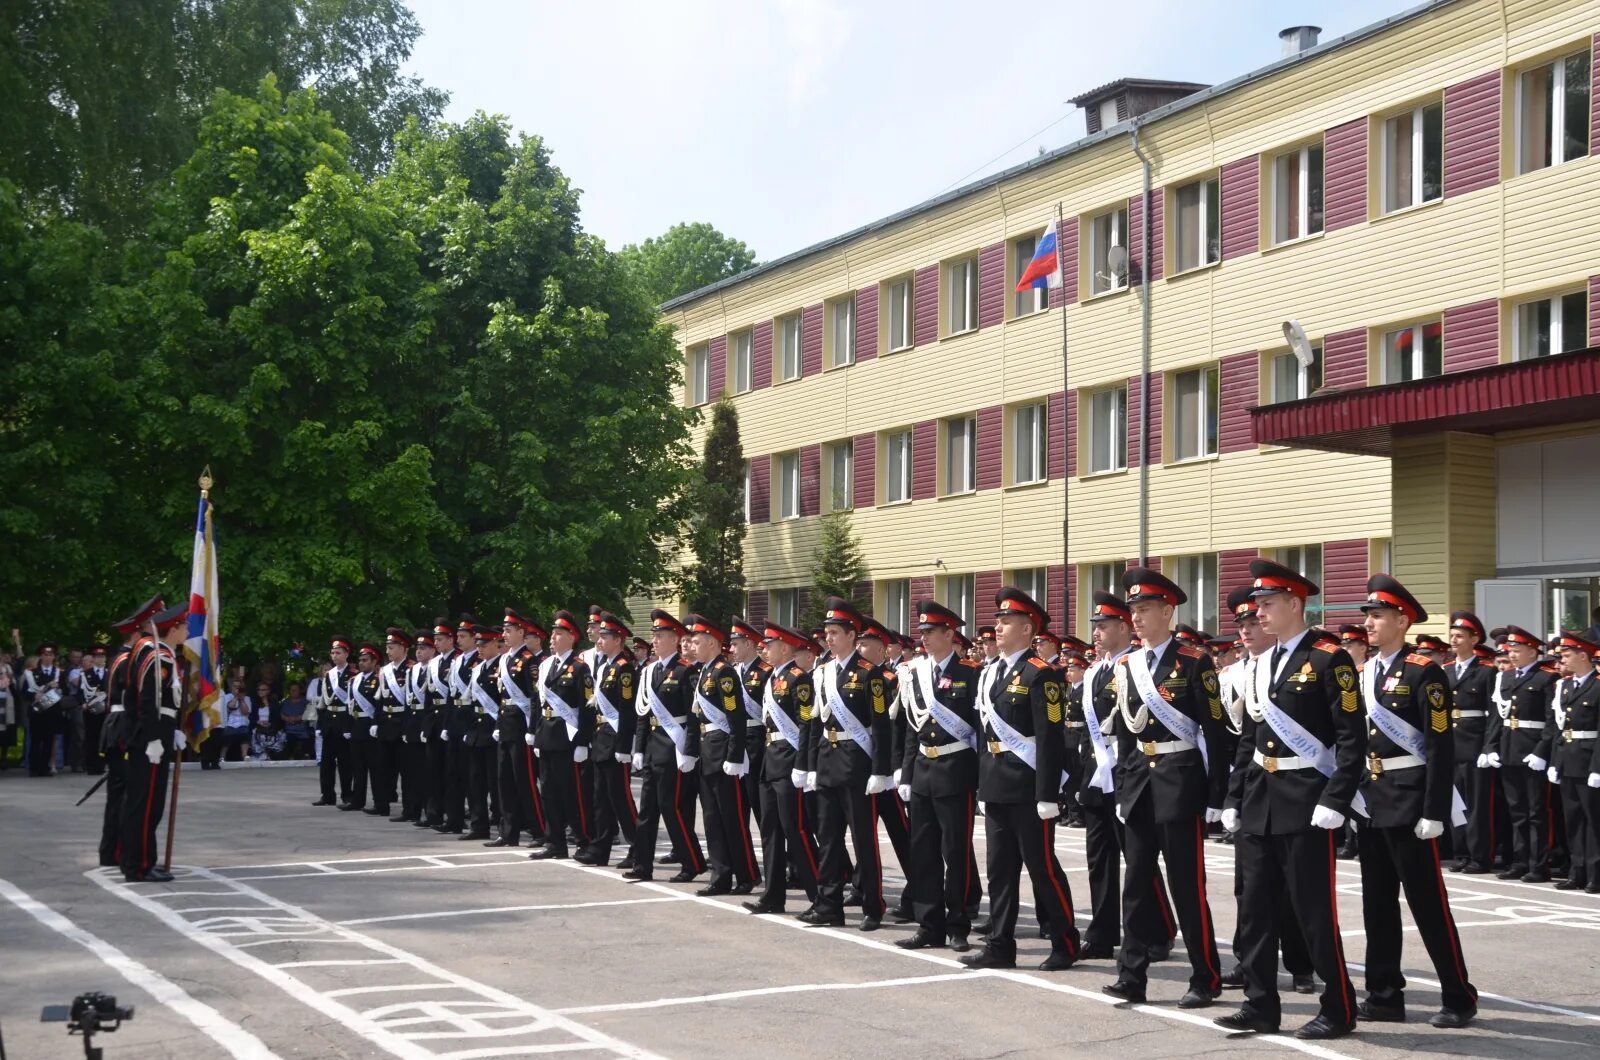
940, 664
1159, 649
1011, 660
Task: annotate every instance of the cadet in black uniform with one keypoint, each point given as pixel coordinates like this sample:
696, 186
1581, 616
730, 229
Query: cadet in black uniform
1408, 787
459, 717
333, 723
939, 780
416, 786
478, 722
667, 742
1575, 760
363, 688
436, 695
1518, 743
389, 723
152, 733
1470, 682
562, 739
616, 688
873, 645
720, 710
120, 698
744, 642
787, 710
518, 668
1302, 745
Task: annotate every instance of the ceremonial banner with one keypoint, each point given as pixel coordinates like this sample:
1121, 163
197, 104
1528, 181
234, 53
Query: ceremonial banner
203, 647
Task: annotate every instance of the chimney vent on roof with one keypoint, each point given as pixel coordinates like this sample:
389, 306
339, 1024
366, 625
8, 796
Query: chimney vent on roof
1129, 97
1297, 39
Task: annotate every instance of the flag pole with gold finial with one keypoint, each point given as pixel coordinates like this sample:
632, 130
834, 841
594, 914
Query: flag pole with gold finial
188, 686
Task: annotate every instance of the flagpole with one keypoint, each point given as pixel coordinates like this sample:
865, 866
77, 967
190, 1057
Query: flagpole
1067, 617
188, 707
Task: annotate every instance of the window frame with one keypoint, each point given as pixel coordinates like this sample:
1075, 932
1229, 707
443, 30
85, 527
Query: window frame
1035, 581
1554, 302
1303, 387
847, 303
1556, 146
899, 618
1118, 238
741, 356
832, 494
1302, 181
968, 425
788, 492
1296, 557
699, 372
783, 605
964, 601
1202, 609
1209, 205
1208, 423
744, 491
968, 268
1418, 349
908, 307
799, 321
1035, 299
1419, 124
1038, 443
906, 478
1119, 452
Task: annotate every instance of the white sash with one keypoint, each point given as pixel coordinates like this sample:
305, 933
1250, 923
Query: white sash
752, 709
1502, 705
481, 694
1557, 707
368, 710
851, 724
553, 699
665, 718
985, 683
786, 726
1406, 735
946, 717
1105, 754
1018, 744
395, 690
608, 710
1178, 723
341, 692
714, 715
513, 691
1295, 735
458, 684
434, 680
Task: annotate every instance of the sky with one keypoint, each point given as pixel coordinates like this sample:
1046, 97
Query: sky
785, 122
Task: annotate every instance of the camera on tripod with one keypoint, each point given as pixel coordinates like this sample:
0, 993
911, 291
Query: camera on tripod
89, 1014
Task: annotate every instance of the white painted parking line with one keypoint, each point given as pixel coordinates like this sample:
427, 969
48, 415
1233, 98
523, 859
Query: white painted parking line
489, 910
766, 991
229, 1035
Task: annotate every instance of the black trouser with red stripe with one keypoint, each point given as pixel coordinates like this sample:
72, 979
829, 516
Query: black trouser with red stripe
415, 789
1301, 864
1181, 845
519, 802
143, 803
479, 769
839, 808
939, 877
566, 787
1579, 803
1016, 837
1527, 794
1291, 940
1475, 839
728, 846
116, 791
1392, 858
668, 795
1103, 840
614, 810
785, 835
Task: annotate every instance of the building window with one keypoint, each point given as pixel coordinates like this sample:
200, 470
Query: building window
699, 375
898, 313
744, 492
1033, 580
1197, 575
784, 607
896, 603
1413, 157
1108, 230
739, 347
1307, 560
897, 467
1297, 194
1108, 430
1550, 325
842, 332
841, 475
1196, 224
1292, 380
961, 455
1029, 437
1553, 113
1103, 577
1034, 299
788, 485
961, 296
1194, 414
1414, 352
789, 332
958, 595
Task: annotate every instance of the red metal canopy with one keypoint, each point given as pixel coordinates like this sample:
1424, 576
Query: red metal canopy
1546, 392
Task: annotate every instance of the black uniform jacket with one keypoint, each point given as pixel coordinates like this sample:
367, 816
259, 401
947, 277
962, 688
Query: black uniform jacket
1415, 689
570, 678
619, 680
673, 682
1528, 727
717, 685
1182, 783
944, 773
866, 691
1030, 698
792, 693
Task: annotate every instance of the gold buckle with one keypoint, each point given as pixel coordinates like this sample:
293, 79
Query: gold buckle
1148, 747
654, 724
1567, 736
1269, 763
930, 751
1512, 723
1455, 715
1374, 764
995, 747
833, 737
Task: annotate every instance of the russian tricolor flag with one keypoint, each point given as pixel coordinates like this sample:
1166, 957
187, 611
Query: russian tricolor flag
202, 645
1045, 268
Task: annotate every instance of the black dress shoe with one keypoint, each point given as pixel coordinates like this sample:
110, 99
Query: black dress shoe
987, 958
922, 939
1535, 876
667, 859
1247, 1019
960, 943
468, 836
1234, 980
869, 923
1058, 961
400, 818
1322, 1028
587, 857
1305, 984
685, 876
1571, 883
711, 890
323, 802
744, 888
502, 841
982, 927
1193, 998
1593, 888
548, 854
812, 918
441, 829
1512, 872
422, 822
762, 908
901, 914
1372, 1012
376, 811
626, 863
157, 874
348, 806
1097, 953
1453, 1018
1123, 990
637, 874
851, 899
1161, 953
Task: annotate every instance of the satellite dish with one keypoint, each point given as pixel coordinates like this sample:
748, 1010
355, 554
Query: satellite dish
1117, 259
1298, 343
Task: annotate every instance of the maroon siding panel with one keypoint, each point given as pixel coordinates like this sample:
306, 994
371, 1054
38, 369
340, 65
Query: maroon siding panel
865, 454
1472, 336
761, 356
1344, 579
921, 590
811, 341
1594, 303
1067, 247
925, 460
925, 306
1072, 433
1344, 175
1135, 409
760, 488
1594, 111
1241, 207
990, 428
1233, 570
1133, 421
1136, 236
717, 374
985, 584
991, 285
1472, 134
1239, 390
757, 606
1344, 359
1058, 415
866, 323
810, 479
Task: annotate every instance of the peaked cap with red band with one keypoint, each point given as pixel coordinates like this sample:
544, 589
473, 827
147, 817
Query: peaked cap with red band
142, 614
396, 635
702, 624
1385, 592
1013, 601
665, 622
563, 620
739, 626
1242, 603
797, 641
1470, 622
1108, 607
342, 642
1572, 640
841, 612
933, 615
1142, 583
1270, 577
1518, 635
610, 623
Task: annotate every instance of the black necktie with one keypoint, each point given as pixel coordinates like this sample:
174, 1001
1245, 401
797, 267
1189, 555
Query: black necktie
1277, 658
1379, 672
999, 680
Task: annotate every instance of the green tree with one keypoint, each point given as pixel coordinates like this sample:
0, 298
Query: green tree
714, 583
686, 258
838, 568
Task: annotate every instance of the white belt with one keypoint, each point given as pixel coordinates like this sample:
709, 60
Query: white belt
1076, 724
940, 750
1471, 713
118, 709
168, 712
1517, 723
756, 726
394, 710
1581, 734
1170, 747
1379, 766
1272, 764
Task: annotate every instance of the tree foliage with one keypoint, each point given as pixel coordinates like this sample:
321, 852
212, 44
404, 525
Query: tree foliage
838, 568
686, 258
714, 583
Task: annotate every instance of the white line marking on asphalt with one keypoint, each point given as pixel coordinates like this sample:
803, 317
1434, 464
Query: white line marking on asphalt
354, 861
232, 1037
513, 1050
802, 988
502, 909
385, 988
336, 874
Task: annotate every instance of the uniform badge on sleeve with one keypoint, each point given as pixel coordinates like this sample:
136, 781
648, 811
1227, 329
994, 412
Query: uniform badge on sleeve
878, 704
1052, 702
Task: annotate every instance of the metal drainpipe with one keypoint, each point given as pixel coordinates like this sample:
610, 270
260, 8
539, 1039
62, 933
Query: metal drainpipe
1144, 364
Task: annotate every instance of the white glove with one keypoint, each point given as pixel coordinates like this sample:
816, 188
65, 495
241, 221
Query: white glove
347, 735
687, 764
797, 777
1230, 820
1121, 816
580, 754
811, 781
180, 739
444, 734
1491, 760
897, 778
536, 752
730, 769
1325, 817
1553, 774
1213, 815
904, 791
983, 808
493, 735
527, 738
1534, 762
372, 730
638, 761
422, 737
1048, 810
404, 738
1427, 829
1594, 780
622, 757
152, 751
877, 785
